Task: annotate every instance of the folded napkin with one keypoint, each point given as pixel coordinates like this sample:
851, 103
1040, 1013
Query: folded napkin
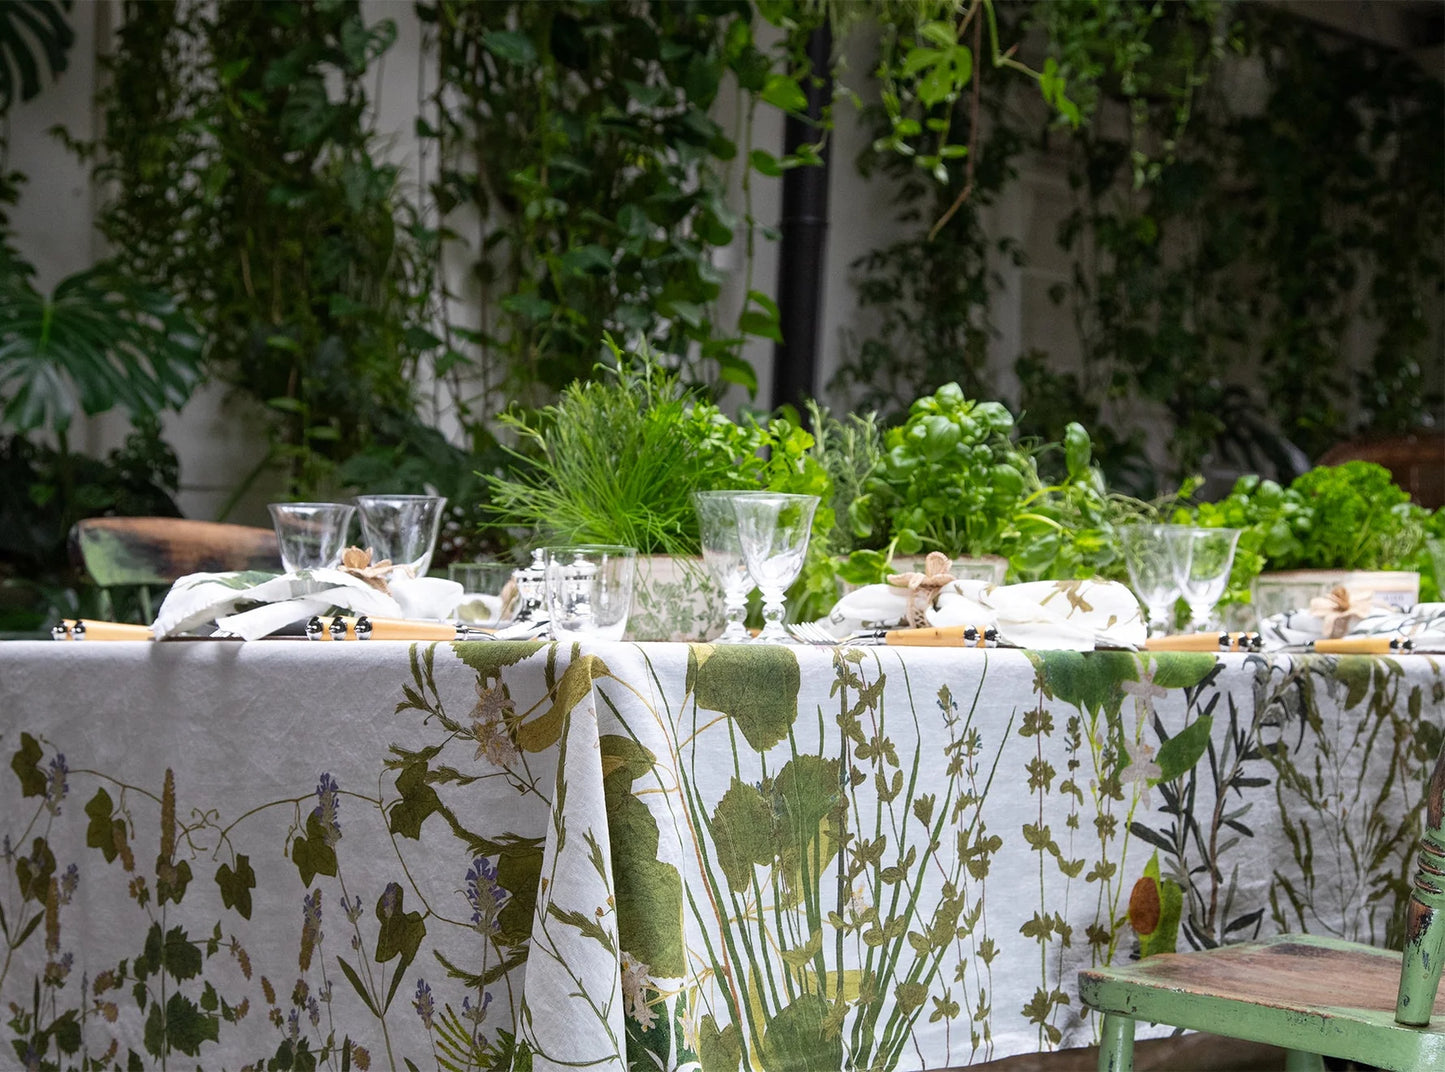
1068, 615
252, 604
1424, 623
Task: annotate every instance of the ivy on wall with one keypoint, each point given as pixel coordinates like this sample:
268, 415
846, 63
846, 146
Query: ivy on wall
1208, 238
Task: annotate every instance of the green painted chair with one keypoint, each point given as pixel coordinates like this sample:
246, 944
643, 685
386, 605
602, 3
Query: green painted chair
1310, 995
149, 553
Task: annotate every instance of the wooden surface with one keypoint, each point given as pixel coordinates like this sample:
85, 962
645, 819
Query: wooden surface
157, 550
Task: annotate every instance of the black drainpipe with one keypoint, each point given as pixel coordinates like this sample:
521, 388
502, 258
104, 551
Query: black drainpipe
804, 228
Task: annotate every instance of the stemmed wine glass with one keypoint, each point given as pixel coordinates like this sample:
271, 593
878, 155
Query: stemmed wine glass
773, 534
1151, 571
723, 554
1202, 560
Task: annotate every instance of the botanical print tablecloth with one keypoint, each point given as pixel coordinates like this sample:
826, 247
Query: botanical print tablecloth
292, 855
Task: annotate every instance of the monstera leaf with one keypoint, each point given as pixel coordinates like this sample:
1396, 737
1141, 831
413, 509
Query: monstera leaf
99, 341
28, 27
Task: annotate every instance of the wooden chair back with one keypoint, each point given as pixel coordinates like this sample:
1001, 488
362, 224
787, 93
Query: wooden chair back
147, 552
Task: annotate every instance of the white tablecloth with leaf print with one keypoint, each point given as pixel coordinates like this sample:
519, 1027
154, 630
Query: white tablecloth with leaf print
293, 855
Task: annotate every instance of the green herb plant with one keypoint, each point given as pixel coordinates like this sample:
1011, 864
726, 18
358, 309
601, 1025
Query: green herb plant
1344, 517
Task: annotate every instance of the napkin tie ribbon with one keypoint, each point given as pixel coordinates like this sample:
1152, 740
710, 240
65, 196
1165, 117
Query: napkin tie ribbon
1341, 609
358, 564
923, 588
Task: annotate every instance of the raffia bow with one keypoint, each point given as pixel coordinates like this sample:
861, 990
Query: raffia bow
923, 588
1341, 609
358, 563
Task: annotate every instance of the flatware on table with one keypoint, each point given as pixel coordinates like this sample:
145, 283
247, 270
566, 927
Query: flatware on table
947, 636
364, 627
88, 629
1207, 641
1364, 645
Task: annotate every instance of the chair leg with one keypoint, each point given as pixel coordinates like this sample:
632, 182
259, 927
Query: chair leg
1116, 1045
1300, 1061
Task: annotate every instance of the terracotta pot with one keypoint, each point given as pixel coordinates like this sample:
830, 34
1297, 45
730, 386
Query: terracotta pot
674, 599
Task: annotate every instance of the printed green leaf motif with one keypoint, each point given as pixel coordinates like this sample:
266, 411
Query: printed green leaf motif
648, 892
171, 952
33, 871
544, 731
742, 833
647, 1048
26, 765
719, 1051
311, 855
401, 932
418, 800
1356, 672
519, 871
803, 1038
487, 657
104, 832
1091, 681
171, 880
186, 1026
1179, 754
806, 792
355, 981
1182, 669
236, 886
755, 686
1165, 936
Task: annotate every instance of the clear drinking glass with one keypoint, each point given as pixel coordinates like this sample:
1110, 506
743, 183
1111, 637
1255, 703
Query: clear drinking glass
489, 594
723, 554
589, 590
402, 528
1202, 560
311, 535
773, 533
1151, 572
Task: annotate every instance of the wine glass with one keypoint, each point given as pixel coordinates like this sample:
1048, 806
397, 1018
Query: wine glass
1151, 571
1202, 560
773, 534
722, 552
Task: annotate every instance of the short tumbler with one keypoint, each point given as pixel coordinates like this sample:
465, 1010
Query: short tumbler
402, 529
589, 590
311, 535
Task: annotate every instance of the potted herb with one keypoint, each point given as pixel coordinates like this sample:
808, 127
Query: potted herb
1333, 525
951, 478
617, 460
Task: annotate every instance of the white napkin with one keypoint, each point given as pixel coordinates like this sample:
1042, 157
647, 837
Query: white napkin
1067, 615
203, 598
1425, 623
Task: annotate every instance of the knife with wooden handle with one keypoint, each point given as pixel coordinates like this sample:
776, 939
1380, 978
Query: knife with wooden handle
88, 629
1364, 645
1204, 642
364, 627
945, 636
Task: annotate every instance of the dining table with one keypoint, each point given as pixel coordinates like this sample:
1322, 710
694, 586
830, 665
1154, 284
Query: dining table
288, 854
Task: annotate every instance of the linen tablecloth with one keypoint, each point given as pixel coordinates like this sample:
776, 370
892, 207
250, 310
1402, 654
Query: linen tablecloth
486, 855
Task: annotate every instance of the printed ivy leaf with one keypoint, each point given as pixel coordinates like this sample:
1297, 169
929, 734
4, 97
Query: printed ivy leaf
719, 1051
1179, 754
418, 800
742, 831
236, 886
400, 935
186, 1026
104, 832
757, 687
1091, 681
801, 1037
26, 765
311, 855
171, 880
1182, 669
545, 730
66, 1032
33, 871
519, 871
